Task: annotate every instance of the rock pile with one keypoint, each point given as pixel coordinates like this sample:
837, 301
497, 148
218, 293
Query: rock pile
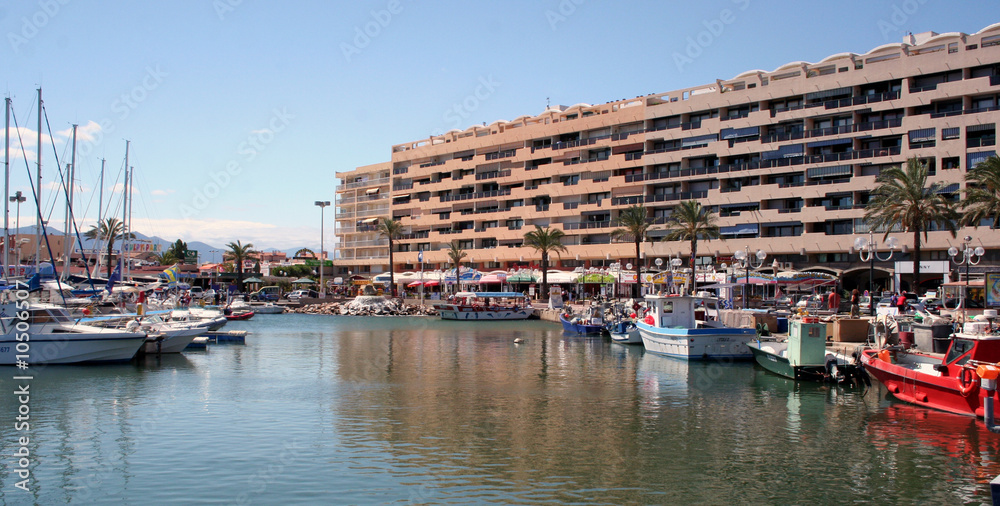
368, 306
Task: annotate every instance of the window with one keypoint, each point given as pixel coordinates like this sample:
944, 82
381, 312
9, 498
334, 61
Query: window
950, 133
951, 162
489, 242
466, 243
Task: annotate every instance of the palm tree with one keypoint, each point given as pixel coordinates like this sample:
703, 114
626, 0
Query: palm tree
689, 221
391, 229
545, 240
456, 254
982, 193
903, 198
635, 223
110, 230
178, 250
165, 258
237, 253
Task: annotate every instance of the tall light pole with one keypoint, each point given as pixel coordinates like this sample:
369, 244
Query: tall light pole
322, 206
868, 252
746, 261
969, 257
17, 197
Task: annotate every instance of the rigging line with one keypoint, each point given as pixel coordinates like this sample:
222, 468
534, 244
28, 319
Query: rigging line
66, 194
38, 214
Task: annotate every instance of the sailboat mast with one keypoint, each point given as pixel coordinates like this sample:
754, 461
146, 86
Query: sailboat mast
100, 218
6, 189
131, 183
67, 243
38, 189
124, 212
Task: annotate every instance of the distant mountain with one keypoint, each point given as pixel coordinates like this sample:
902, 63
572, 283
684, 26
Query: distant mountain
205, 250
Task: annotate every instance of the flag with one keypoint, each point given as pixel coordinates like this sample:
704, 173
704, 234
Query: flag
115, 276
171, 274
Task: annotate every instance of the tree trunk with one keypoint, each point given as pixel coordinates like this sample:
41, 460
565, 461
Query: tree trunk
916, 262
694, 272
392, 278
545, 275
111, 248
638, 269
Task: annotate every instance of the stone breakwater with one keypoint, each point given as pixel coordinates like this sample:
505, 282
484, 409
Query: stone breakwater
367, 306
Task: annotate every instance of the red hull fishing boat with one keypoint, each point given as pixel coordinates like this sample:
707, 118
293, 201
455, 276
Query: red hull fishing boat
948, 383
240, 316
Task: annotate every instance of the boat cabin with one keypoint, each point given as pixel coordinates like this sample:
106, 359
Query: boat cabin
682, 311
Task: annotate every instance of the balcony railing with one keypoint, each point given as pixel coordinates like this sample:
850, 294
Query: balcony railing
470, 196
585, 225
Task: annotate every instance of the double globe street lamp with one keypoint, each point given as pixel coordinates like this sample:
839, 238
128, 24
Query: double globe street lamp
868, 251
743, 260
970, 256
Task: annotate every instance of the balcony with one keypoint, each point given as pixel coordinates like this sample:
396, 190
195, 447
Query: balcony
471, 196
586, 225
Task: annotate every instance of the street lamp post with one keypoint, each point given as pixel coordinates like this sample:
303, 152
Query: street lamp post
322, 287
969, 257
628, 267
659, 265
675, 266
745, 261
868, 252
18, 197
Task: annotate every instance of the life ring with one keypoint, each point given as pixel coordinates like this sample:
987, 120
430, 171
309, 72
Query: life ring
966, 381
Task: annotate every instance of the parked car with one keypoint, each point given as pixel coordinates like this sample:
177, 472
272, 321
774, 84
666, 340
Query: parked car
814, 301
266, 294
300, 294
196, 292
864, 304
954, 303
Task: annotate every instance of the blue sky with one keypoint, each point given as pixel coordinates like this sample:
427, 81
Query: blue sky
241, 111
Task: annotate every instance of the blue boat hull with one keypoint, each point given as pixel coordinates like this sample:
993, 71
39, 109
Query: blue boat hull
579, 328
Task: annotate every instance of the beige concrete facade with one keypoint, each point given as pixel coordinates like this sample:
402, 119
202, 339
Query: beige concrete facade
785, 158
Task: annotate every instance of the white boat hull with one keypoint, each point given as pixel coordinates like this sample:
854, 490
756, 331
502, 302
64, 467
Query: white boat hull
451, 312
71, 348
697, 344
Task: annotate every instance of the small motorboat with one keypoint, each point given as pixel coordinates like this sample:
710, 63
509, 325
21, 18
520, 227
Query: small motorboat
804, 356
946, 382
589, 324
246, 315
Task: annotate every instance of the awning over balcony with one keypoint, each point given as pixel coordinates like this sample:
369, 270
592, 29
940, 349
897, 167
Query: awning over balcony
831, 142
372, 191
837, 170
733, 133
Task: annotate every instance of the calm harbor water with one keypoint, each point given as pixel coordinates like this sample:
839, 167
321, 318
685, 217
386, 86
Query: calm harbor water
341, 410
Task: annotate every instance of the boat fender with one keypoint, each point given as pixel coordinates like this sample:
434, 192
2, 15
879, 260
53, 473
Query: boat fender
966, 381
648, 320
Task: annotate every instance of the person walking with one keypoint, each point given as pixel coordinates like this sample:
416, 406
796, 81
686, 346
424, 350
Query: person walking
855, 303
833, 300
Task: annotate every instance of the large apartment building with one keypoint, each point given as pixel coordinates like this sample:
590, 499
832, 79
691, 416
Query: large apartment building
787, 159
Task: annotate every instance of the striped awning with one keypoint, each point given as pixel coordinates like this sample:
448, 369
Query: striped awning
831, 142
836, 92
749, 228
699, 140
952, 188
977, 158
923, 134
837, 170
733, 133
980, 128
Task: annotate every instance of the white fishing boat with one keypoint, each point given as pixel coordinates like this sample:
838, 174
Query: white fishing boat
56, 338
688, 327
267, 308
485, 306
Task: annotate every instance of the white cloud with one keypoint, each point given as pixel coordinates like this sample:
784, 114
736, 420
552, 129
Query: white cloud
161, 192
84, 133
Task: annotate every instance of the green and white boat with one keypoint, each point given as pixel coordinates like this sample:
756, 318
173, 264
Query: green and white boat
804, 356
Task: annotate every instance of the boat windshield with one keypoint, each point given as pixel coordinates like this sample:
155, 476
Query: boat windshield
959, 347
